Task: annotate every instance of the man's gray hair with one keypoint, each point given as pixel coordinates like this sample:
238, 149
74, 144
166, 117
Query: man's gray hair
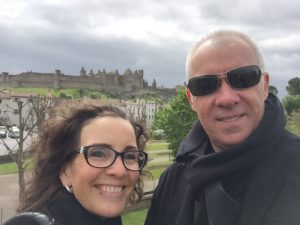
226, 34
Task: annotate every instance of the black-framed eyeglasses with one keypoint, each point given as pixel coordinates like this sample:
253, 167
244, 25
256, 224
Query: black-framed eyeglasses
99, 156
240, 78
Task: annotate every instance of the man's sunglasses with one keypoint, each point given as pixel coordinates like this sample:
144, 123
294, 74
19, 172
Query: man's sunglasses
240, 78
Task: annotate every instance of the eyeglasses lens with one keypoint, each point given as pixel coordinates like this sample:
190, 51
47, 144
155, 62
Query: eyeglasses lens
102, 157
244, 77
239, 78
203, 85
134, 160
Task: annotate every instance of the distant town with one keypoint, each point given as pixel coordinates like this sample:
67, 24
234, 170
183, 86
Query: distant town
122, 86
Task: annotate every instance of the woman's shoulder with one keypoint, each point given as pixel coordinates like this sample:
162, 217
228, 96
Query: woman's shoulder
66, 210
32, 218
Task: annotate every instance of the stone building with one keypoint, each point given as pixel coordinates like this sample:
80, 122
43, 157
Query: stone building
124, 85
141, 110
111, 81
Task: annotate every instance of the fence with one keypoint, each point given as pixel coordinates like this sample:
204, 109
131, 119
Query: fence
144, 203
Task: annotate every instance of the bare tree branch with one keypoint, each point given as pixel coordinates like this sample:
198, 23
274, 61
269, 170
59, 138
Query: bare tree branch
31, 114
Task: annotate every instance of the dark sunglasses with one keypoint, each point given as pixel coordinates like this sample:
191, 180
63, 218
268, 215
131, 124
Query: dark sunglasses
240, 78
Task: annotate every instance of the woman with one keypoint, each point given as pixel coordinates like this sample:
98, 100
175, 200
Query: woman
89, 159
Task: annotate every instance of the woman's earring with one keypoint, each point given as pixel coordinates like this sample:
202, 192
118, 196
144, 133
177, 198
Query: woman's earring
69, 189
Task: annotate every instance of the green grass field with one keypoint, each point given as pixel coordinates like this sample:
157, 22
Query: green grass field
8, 168
156, 173
157, 145
135, 217
69, 92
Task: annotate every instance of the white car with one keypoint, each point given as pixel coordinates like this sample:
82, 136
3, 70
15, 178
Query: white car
14, 132
3, 131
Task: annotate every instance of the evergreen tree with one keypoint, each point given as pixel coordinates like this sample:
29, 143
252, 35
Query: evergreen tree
293, 87
176, 120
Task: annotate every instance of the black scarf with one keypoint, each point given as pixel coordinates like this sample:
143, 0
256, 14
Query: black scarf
66, 210
209, 168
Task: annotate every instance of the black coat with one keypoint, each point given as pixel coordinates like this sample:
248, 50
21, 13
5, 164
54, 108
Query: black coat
262, 175
66, 210
63, 209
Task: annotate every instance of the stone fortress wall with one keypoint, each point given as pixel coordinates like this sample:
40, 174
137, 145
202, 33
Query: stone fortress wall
112, 81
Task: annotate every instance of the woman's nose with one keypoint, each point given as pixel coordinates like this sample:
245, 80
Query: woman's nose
117, 168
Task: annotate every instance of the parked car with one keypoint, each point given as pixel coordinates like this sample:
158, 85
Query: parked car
158, 134
14, 132
3, 131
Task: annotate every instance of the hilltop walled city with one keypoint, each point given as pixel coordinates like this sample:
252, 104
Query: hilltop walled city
129, 82
122, 86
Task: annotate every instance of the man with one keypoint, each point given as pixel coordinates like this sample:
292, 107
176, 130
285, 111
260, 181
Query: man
238, 165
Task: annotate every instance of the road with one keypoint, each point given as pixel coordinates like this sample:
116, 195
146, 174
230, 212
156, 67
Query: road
12, 143
9, 191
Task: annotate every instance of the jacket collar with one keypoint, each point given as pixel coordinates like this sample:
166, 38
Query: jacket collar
207, 168
196, 141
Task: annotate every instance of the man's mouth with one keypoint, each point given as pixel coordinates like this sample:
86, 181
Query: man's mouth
230, 118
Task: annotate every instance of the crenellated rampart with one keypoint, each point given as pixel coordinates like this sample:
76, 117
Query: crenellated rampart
112, 81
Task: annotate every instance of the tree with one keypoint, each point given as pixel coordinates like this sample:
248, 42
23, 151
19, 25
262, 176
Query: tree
273, 89
41, 105
176, 120
154, 83
93, 96
291, 104
81, 92
293, 123
293, 87
31, 112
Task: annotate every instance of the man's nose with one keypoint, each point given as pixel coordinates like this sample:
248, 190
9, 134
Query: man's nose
226, 95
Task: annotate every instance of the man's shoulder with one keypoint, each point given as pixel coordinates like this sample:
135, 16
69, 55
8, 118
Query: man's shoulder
290, 143
293, 137
175, 170
172, 179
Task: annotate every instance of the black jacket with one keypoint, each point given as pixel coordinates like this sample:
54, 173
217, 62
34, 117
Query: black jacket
66, 210
261, 179
63, 209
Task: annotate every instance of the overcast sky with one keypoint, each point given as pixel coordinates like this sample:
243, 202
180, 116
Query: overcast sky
153, 35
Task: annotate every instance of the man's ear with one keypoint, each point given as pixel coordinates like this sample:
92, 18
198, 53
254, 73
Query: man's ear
65, 175
190, 98
266, 78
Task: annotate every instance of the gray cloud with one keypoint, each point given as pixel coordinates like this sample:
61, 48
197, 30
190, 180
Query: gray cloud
152, 35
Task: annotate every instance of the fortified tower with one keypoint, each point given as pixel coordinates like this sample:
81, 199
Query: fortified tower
56, 79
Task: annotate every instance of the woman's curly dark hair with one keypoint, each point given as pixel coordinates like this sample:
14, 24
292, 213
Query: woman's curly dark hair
60, 134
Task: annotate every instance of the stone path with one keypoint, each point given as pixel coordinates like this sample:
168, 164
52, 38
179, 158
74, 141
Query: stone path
9, 191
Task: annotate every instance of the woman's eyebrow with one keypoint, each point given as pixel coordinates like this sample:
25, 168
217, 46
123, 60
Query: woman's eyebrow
127, 148
101, 145
130, 148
